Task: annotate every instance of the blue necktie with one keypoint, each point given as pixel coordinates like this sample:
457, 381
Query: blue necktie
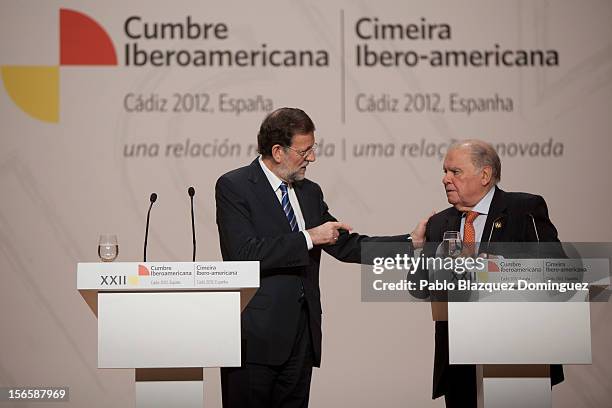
287, 208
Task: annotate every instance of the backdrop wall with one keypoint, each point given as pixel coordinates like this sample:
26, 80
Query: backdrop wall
106, 102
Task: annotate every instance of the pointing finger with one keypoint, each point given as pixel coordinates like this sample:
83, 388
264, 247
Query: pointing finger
341, 225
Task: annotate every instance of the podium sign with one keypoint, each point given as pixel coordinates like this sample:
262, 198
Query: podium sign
167, 275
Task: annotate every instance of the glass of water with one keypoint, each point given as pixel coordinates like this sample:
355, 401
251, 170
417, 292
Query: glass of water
452, 243
108, 248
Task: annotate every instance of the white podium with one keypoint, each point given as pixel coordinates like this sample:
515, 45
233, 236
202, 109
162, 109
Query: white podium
513, 343
168, 320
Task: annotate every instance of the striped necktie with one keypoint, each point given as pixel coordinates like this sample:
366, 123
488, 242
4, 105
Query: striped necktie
287, 207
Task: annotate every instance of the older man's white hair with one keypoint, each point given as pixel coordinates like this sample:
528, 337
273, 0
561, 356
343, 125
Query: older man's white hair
482, 154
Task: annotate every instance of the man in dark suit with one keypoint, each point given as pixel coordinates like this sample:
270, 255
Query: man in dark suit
268, 211
488, 214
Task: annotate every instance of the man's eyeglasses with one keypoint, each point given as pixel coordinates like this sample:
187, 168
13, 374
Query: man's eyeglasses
305, 153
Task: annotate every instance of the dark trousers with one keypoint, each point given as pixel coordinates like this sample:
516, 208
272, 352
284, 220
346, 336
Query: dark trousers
266, 386
461, 387
456, 382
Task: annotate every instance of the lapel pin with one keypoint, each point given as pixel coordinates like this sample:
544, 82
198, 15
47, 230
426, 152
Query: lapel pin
498, 224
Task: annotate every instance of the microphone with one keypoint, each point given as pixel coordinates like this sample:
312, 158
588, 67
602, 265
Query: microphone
191, 192
495, 221
494, 226
152, 199
535, 228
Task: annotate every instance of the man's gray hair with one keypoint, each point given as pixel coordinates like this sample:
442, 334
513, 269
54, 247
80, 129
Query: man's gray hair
483, 154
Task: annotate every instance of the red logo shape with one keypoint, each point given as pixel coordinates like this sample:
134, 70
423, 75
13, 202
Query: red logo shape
493, 266
83, 41
143, 271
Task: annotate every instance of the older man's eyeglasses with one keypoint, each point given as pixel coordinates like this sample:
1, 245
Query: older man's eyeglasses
305, 153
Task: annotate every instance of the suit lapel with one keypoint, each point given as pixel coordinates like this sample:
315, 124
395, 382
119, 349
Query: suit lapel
264, 193
453, 222
307, 206
496, 219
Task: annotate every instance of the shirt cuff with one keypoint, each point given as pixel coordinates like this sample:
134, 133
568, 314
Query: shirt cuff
308, 240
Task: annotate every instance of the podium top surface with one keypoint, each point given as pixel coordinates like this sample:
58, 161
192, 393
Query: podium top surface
148, 276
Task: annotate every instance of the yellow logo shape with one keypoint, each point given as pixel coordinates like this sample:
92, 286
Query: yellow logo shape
35, 89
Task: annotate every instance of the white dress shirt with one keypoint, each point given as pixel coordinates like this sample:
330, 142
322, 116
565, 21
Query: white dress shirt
482, 208
275, 182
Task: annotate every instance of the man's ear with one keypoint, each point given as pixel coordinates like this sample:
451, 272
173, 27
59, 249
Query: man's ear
487, 173
277, 153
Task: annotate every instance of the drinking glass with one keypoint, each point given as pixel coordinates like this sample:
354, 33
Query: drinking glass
452, 244
108, 248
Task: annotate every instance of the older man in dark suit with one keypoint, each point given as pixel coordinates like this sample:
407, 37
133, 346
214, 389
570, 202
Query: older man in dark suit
268, 211
484, 214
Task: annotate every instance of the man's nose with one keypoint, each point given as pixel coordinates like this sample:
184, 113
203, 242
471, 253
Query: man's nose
446, 179
311, 156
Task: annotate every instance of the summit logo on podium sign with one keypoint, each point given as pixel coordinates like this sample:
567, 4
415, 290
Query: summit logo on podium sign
134, 280
160, 274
